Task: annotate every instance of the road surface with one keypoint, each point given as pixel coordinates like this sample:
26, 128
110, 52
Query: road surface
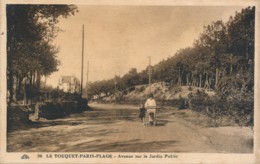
117, 128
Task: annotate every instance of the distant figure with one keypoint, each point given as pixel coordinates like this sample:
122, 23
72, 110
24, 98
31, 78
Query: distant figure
142, 112
183, 103
150, 103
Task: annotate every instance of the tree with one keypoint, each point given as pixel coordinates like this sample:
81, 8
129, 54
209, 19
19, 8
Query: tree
222, 52
214, 38
241, 30
131, 78
30, 30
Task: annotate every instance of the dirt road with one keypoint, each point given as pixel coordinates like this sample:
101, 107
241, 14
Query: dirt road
117, 128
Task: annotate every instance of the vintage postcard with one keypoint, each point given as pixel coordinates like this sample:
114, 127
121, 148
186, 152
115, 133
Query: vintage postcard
129, 81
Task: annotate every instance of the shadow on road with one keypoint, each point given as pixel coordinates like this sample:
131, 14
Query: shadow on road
97, 117
161, 122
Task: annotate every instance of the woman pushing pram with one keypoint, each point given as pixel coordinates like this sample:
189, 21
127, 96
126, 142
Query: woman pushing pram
148, 111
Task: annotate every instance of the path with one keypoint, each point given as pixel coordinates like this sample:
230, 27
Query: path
117, 128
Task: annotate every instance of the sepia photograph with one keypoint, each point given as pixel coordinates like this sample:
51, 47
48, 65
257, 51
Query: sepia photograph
121, 82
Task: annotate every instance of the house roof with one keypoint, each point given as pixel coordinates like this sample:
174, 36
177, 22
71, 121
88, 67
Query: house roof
66, 79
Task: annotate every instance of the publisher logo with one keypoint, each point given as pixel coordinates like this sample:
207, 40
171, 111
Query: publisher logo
25, 156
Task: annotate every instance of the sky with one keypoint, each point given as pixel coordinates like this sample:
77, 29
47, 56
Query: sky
118, 38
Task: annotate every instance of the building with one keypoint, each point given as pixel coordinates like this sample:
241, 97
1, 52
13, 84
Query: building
69, 84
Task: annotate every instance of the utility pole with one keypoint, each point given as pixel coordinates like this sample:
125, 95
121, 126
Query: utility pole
82, 61
87, 80
115, 82
150, 73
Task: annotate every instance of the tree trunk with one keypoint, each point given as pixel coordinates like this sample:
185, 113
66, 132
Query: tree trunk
179, 78
19, 85
216, 77
10, 77
187, 79
14, 88
38, 80
207, 86
247, 55
30, 78
200, 80
231, 69
25, 91
34, 75
210, 80
193, 80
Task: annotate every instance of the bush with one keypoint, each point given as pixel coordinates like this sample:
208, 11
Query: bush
175, 102
183, 103
58, 95
131, 89
141, 89
18, 117
50, 110
176, 89
199, 101
238, 111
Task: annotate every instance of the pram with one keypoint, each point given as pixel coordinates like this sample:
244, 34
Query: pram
150, 116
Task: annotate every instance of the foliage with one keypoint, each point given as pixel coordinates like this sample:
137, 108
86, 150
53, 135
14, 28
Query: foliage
141, 89
235, 109
221, 60
30, 31
222, 51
